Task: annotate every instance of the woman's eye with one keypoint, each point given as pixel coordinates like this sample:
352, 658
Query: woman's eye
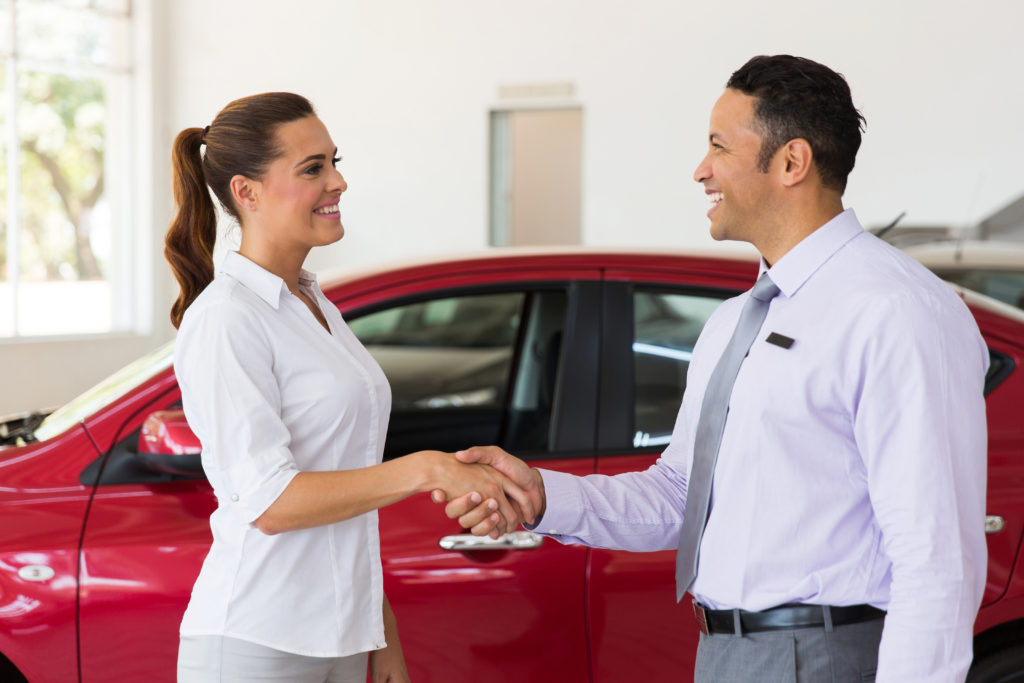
314, 169
334, 161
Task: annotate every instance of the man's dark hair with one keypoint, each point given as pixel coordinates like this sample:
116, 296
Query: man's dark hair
799, 98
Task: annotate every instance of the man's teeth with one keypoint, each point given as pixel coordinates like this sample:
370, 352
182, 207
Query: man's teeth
327, 210
715, 197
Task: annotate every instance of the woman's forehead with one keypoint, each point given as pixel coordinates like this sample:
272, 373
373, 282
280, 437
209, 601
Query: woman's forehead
304, 137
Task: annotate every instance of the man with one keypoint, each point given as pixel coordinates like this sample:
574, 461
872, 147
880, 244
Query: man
835, 522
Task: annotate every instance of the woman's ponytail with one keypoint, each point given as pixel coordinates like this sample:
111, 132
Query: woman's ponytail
190, 239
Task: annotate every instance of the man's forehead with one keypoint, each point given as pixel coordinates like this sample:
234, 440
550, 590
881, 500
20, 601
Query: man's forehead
732, 112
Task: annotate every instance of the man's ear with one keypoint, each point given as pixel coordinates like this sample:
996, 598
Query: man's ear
245, 192
796, 158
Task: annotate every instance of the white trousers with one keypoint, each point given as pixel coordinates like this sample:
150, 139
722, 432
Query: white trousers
217, 659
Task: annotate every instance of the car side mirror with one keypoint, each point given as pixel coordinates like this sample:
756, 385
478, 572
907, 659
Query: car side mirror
167, 444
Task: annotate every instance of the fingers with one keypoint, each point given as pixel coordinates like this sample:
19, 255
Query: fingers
527, 491
506, 501
527, 508
509, 516
484, 521
506, 463
481, 518
469, 513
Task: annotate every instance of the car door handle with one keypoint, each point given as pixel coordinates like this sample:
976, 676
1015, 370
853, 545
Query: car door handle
517, 540
994, 524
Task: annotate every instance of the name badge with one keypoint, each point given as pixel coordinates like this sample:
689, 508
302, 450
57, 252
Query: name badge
780, 340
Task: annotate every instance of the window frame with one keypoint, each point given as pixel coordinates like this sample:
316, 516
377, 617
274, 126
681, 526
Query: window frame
127, 152
617, 370
573, 422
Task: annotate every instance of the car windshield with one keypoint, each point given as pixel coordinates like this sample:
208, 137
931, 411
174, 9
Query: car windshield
117, 385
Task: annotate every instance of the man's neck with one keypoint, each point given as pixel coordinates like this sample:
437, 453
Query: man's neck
796, 225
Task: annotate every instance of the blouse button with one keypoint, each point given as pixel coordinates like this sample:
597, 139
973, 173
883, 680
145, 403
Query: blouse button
234, 497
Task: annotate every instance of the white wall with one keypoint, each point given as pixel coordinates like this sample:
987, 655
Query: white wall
405, 87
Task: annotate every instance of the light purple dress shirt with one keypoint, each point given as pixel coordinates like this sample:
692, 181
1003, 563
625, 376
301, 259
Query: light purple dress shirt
852, 469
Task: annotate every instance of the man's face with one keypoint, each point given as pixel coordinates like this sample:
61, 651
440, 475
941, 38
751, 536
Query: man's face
741, 198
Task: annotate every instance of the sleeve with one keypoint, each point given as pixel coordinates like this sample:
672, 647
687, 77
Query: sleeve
224, 363
638, 511
920, 427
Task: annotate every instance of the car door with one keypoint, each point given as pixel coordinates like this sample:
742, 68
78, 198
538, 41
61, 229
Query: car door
638, 630
144, 540
489, 363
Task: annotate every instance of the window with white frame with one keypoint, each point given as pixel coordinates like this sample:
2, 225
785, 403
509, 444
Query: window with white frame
65, 129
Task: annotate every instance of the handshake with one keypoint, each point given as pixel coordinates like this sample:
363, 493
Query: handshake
490, 491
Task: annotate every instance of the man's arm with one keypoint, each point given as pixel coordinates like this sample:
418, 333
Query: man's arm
920, 427
638, 511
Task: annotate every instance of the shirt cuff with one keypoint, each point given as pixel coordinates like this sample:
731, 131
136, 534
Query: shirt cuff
250, 499
563, 509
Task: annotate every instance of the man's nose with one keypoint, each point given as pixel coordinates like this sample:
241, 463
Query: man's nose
703, 170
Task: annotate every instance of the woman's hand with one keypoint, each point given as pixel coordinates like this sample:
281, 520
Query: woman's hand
475, 515
503, 502
387, 665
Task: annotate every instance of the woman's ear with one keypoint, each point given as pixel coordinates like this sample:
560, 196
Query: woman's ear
245, 192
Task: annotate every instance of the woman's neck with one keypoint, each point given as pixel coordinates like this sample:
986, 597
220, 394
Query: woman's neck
284, 263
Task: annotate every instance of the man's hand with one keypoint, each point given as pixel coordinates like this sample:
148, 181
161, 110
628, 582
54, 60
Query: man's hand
499, 503
479, 516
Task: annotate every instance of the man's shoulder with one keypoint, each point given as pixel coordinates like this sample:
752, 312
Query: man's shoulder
876, 271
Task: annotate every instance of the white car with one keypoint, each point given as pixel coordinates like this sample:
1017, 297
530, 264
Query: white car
992, 268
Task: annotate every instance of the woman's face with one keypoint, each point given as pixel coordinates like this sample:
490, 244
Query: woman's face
296, 201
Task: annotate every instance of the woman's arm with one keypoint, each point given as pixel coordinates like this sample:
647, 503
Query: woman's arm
317, 498
387, 665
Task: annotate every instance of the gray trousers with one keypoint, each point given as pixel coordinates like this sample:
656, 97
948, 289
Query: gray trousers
216, 659
847, 654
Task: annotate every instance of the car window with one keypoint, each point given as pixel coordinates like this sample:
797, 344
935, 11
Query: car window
665, 328
1005, 285
468, 369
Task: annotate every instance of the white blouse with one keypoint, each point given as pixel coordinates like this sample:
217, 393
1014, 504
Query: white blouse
270, 393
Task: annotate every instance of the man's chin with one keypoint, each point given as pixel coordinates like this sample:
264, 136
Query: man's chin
717, 232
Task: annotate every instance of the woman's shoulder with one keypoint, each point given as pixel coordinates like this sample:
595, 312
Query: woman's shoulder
224, 297
224, 308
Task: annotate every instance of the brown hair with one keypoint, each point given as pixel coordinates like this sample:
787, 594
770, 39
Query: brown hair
241, 140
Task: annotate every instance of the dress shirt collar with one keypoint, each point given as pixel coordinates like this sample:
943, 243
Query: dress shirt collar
799, 263
265, 284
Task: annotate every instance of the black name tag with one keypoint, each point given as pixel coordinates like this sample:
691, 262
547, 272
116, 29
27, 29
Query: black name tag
779, 340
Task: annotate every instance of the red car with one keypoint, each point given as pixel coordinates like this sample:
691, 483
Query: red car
575, 360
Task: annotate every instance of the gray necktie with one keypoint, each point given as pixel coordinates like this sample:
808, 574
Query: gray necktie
710, 427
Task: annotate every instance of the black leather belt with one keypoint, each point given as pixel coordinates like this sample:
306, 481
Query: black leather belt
782, 618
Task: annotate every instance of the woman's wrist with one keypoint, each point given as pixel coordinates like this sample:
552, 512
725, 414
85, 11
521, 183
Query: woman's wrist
430, 467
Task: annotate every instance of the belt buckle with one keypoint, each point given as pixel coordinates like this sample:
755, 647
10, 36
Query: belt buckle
702, 620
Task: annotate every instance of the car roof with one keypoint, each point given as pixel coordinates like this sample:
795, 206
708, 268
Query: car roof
981, 301
499, 258
494, 258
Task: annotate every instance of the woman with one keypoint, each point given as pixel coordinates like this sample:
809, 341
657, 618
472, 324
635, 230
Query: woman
291, 411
